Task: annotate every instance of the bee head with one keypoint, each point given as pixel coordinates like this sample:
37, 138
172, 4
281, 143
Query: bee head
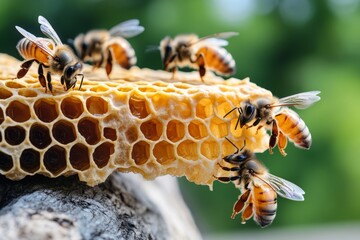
70, 74
247, 113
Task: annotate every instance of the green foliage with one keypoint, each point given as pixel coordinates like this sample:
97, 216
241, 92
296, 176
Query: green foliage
278, 50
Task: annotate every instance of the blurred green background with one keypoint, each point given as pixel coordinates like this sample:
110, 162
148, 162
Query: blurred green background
286, 46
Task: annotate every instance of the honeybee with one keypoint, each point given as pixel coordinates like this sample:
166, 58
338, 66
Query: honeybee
50, 53
259, 188
284, 123
97, 46
198, 53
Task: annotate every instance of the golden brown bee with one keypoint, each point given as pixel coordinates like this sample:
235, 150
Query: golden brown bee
259, 188
284, 123
97, 46
198, 53
51, 54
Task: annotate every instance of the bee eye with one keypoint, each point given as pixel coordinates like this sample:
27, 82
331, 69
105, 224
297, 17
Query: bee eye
249, 110
69, 72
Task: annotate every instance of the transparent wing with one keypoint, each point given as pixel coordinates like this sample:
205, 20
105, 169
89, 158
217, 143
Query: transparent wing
35, 40
48, 30
127, 29
300, 100
285, 188
217, 39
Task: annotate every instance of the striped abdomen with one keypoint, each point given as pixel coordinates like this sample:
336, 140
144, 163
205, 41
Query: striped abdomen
293, 127
122, 52
265, 204
29, 50
218, 60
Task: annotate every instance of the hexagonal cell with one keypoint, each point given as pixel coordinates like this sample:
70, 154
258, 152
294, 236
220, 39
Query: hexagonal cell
102, 154
64, 132
18, 111
30, 160
164, 152
152, 129
89, 129
46, 109
14, 84
110, 133
138, 106
131, 134
55, 160
175, 130
99, 88
72, 107
223, 108
147, 89
15, 135
140, 152
27, 92
197, 129
125, 89
228, 148
183, 109
39, 136
188, 149
1, 116
4, 93
160, 100
97, 105
210, 149
235, 132
204, 108
6, 162
218, 127
79, 157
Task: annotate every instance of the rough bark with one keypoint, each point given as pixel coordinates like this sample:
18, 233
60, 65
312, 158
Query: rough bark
124, 207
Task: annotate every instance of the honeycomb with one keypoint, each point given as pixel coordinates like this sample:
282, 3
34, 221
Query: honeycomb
142, 121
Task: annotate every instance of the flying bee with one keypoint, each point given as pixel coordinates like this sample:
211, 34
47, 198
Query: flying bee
284, 123
259, 188
50, 53
97, 46
198, 53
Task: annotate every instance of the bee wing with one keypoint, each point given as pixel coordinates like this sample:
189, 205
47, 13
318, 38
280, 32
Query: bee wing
127, 29
285, 188
35, 40
48, 30
300, 100
217, 39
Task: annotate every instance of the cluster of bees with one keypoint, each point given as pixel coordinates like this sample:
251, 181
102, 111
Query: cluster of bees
259, 188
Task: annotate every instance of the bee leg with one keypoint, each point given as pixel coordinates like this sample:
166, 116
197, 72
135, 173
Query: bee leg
42, 79
282, 142
109, 64
82, 79
173, 73
200, 61
240, 203
25, 68
48, 76
259, 127
227, 179
232, 169
274, 136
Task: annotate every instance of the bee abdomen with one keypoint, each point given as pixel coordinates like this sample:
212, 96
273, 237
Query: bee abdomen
218, 60
294, 128
29, 50
122, 51
265, 205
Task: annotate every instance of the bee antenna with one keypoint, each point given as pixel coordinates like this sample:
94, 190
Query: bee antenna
243, 145
237, 149
230, 112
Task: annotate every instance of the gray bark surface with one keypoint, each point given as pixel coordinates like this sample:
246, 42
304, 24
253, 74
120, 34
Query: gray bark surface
124, 207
